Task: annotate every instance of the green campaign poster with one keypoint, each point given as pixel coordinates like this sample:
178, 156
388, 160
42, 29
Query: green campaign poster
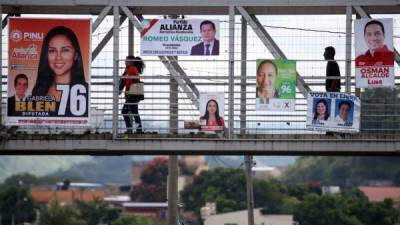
275, 84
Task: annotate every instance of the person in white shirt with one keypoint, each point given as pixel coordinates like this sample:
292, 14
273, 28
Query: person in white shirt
343, 116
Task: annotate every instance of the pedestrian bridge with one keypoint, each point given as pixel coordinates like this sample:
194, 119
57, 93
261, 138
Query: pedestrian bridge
146, 144
249, 30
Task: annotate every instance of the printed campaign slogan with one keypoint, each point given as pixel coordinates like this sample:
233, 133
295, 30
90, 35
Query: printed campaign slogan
332, 111
169, 37
275, 85
374, 53
212, 111
48, 72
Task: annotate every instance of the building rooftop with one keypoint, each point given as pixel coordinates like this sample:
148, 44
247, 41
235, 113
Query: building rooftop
380, 193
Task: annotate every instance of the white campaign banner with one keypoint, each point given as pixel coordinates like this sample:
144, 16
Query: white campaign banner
179, 37
332, 111
374, 53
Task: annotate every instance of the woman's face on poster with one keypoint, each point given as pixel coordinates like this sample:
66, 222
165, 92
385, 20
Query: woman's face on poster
61, 55
212, 108
321, 108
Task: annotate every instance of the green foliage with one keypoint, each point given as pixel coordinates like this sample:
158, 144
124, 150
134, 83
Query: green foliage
347, 209
133, 220
156, 172
97, 212
57, 214
16, 202
269, 195
227, 188
20, 180
27, 180
299, 190
342, 171
153, 186
224, 186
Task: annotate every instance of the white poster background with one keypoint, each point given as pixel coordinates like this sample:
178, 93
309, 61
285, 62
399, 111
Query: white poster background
159, 37
331, 123
361, 48
219, 97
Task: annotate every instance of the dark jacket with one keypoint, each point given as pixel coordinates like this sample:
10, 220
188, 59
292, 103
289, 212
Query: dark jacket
199, 49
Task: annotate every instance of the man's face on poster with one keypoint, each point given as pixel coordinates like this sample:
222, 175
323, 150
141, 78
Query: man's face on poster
266, 76
374, 37
21, 86
344, 111
207, 32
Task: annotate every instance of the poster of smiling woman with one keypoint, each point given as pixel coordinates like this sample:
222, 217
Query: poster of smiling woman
212, 107
374, 53
48, 72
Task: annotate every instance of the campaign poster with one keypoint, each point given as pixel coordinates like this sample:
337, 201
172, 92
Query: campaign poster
48, 72
275, 85
179, 37
374, 53
333, 111
212, 111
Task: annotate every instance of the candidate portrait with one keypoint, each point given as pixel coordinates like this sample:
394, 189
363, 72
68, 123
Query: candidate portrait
378, 53
210, 44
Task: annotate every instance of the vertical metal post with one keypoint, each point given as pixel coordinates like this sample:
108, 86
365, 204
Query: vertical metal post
131, 36
349, 15
231, 71
115, 70
248, 159
173, 159
173, 98
1, 65
243, 78
358, 90
173, 190
173, 104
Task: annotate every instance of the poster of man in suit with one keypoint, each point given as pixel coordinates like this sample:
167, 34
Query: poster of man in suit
180, 37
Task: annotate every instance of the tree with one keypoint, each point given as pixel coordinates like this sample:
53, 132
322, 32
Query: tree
371, 213
27, 180
299, 190
16, 202
97, 212
342, 171
224, 186
269, 196
324, 210
156, 172
153, 186
57, 214
20, 180
133, 220
350, 208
